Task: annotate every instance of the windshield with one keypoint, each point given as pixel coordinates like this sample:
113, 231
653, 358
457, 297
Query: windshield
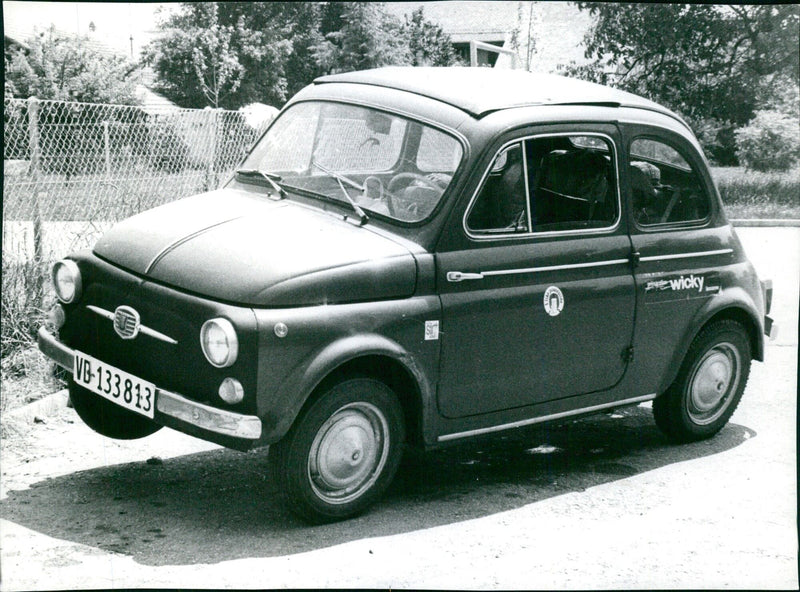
380, 162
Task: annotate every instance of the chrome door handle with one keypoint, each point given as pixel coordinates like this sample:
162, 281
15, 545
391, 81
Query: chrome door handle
458, 276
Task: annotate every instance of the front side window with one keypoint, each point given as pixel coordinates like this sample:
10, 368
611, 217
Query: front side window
547, 184
388, 165
665, 188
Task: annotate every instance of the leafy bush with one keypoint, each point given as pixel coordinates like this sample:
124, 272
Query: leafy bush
770, 142
718, 140
169, 152
234, 139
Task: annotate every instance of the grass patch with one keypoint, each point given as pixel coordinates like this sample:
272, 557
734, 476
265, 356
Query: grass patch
753, 194
27, 375
27, 297
97, 197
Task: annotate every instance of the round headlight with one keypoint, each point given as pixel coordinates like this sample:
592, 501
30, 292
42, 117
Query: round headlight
67, 281
219, 342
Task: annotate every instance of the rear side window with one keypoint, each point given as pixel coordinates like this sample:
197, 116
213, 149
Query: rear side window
665, 187
548, 184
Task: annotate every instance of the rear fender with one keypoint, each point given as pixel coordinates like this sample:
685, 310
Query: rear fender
733, 303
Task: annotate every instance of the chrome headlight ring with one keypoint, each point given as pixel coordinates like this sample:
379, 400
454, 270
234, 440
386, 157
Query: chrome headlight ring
67, 281
219, 342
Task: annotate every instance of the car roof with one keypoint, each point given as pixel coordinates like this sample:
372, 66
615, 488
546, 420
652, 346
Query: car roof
479, 91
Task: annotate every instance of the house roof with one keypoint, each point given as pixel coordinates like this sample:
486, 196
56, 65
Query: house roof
479, 91
465, 21
22, 35
553, 32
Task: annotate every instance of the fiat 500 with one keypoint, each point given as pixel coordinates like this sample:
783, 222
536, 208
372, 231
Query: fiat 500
411, 257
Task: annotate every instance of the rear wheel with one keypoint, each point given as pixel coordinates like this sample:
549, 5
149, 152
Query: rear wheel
709, 386
106, 418
341, 453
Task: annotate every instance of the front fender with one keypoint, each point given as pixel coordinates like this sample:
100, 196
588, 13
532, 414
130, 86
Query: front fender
315, 341
298, 386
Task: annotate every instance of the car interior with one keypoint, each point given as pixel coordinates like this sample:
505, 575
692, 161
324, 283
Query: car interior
569, 186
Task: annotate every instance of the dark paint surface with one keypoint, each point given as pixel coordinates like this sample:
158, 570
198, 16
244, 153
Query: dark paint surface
244, 248
479, 354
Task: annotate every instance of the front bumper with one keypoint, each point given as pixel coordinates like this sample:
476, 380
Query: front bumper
202, 417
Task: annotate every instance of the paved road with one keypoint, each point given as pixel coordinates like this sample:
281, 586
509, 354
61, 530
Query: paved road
603, 502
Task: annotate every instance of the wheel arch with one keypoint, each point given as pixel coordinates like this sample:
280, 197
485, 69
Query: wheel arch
372, 356
740, 310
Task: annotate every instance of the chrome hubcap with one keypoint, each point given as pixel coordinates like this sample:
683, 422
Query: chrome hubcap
348, 453
715, 378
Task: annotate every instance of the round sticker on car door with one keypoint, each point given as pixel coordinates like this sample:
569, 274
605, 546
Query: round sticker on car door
553, 301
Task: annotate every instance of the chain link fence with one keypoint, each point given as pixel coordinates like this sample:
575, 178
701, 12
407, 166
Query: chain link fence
73, 169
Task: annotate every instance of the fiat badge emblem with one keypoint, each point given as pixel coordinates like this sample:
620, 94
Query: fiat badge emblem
126, 322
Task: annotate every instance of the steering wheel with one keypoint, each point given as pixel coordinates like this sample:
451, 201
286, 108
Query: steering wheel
409, 178
405, 180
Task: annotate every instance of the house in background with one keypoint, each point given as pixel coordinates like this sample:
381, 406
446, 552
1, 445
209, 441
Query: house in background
542, 35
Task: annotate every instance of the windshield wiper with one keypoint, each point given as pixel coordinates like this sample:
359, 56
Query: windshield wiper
270, 178
342, 179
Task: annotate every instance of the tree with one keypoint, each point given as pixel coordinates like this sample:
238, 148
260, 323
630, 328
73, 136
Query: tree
428, 44
366, 38
216, 67
715, 64
221, 54
66, 68
230, 54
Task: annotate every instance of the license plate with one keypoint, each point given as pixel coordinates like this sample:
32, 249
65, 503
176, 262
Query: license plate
114, 384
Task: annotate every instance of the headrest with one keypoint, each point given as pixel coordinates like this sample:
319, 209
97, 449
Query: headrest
651, 170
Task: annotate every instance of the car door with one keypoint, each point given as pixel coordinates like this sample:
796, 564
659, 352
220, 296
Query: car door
681, 243
535, 280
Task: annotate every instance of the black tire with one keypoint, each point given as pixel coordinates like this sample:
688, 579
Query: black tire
106, 418
709, 385
341, 453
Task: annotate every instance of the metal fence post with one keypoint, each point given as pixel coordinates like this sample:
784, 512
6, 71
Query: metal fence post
33, 171
33, 137
107, 146
211, 177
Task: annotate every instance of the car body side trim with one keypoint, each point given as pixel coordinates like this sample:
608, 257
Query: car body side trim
687, 255
457, 276
535, 420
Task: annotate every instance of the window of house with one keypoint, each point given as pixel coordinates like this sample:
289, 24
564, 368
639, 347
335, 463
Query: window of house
665, 188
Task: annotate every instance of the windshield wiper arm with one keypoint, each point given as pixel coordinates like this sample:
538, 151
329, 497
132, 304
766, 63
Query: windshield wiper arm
270, 178
342, 179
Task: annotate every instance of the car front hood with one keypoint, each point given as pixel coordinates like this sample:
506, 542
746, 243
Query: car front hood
239, 247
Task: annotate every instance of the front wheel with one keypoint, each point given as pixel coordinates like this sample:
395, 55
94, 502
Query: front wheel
342, 452
709, 385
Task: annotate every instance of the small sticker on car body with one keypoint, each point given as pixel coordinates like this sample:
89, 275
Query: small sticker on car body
682, 287
431, 330
553, 301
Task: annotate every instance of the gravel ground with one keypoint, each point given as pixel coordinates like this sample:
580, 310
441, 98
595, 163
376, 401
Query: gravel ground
603, 502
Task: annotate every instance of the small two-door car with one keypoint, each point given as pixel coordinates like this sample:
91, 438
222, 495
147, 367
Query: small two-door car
413, 257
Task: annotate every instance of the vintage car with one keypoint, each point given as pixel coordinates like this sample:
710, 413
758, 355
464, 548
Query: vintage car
411, 257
